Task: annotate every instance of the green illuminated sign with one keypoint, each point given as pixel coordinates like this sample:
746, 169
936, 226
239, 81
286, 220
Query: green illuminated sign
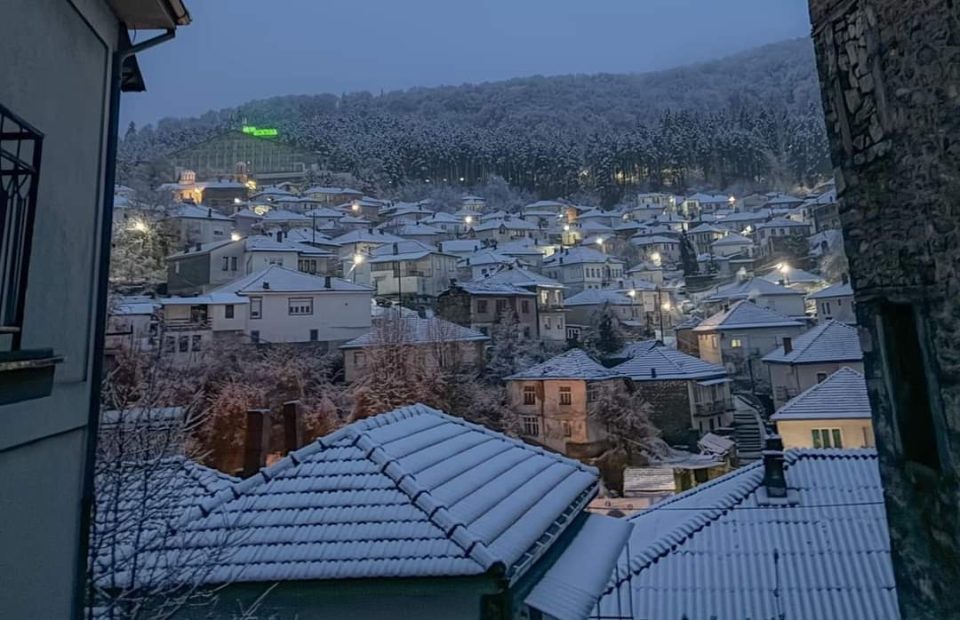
260, 132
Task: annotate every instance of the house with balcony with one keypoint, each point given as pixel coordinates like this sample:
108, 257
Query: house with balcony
552, 399
435, 342
737, 338
482, 305
411, 270
131, 325
689, 397
834, 413
802, 362
551, 310
761, 292
65, 66
583, 268
835, 303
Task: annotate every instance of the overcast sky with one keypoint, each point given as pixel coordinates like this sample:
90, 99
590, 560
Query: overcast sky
238, 50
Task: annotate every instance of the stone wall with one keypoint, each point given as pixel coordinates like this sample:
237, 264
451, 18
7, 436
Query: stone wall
890, 76
670, 401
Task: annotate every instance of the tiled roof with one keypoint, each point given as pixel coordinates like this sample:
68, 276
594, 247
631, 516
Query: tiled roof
365, 236
840, 289
420, 331
665, 364
198, 212
780, 222
579, 255
749, 289
733, 239
411, 230
483, 287
745, 315
522, 277
277, 279
282, 215
597, 297
574, 364
720, 551
486, 257
410, 493
635, 348
460, 246
841, 395
653, 239
513, 223
324, 212
794, 276
832, 341
405, 249
706, 228
747, 216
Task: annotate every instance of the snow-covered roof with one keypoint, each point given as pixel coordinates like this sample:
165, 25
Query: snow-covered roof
706, 228
577, 255
365, 235
197, 212
732, 239
662, 363
598, 297
574, 364
591, 226
750, 289
653, 240
794, 276
324, 212
831, 341
134, 307
332, 191
840, 289
306, 235
411, 230
780, 222
541, 204
443, 218
745, 315
747, 216
277, 279
508, 223
469, 198
522, 277
842, 395
351, 219
213, 297
522, 246
403, 250
417, 330
369, 501
634, 348
263, 243
460, 246
722, 551
482, 287
486, 257
282, 215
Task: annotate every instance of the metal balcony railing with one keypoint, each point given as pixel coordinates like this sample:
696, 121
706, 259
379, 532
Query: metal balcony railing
20, 154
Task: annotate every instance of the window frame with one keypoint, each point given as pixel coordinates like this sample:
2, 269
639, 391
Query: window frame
529, 395
294, 303
256, 307
565, 395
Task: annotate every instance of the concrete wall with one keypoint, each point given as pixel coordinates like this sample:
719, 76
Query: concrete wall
188, 275
55, 74
337, 317
194, 230
889, 76
840, 309
853, 433
554, 418
467, 353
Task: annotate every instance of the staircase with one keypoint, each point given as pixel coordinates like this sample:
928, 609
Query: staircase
749, 433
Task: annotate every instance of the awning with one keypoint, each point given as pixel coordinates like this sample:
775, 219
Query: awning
710, 382
571, 587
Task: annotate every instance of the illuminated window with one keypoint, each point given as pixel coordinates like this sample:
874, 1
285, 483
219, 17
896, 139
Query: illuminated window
735, 343
529, 395
827, 438
566, 396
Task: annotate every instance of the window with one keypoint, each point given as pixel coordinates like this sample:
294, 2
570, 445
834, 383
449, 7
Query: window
183, 345
826, 309
826, 438
169, 344
529, 395
484, 330
300, 306
226, 263
546, 322
821, 377
256, 307
567, 429
481, 306
233, 263
359, 359
530, 426
255, 336
525, 306
700, 475
197, 343
591, 393
736, 343
526, 331
176, 268
501, 306
566, 397
228, 311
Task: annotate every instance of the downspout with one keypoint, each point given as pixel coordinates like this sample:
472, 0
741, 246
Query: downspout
100, 313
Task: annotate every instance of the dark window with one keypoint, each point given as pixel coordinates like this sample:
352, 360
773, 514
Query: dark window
501, 305
197, 343
700, 475
226, 263
314, 335
256, 307
169, 344
906, 375
821, 377
529, 395
567, 429
254, 336
233, 263
526, 331
525, 306
228, 311
481, 306
183, 345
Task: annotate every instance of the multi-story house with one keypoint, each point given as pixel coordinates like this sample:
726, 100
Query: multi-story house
658, 249
806, 360
738, 337
332, 195
131, 326
506, 229
482, 263
770, 236
583, 307
356, 246
553, 400
551, 310
273, 305
64, 67
411, 270
761, 292
744, 222
704, 235
582, 268
834, 413
732, 244
449, 225
195, 224
482, 305
835, 303
688, 395
433, 342
215, 193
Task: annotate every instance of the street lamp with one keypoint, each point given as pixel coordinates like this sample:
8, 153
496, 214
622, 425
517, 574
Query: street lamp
139, 226
784, 270
355, 206
357, 260
656, 258
603, 248
632, 293
235, 236
468, 220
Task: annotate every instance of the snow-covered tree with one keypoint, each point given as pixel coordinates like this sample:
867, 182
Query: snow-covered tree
510, 352
626, 417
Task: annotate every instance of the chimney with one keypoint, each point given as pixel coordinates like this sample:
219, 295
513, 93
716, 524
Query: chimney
774, 479
266, 285
326, 281
209, 212
292, 436
396, 250
787, 344
257, 441
370, 230
653, 373
453, 282
845, 278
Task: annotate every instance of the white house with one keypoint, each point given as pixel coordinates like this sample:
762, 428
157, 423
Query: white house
743, 332
762, 292
195, 224
658, 248
582, 268
411, 270
835, 303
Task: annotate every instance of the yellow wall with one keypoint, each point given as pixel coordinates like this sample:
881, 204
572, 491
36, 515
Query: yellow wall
797, 433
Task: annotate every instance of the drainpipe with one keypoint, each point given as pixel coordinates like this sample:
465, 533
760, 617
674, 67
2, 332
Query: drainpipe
100, 312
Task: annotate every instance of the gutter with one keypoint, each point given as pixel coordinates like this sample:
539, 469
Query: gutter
123, 52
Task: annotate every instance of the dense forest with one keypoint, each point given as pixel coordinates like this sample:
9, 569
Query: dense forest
753, 119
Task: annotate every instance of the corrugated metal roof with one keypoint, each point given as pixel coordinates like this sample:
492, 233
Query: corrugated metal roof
841, 395
832, 341
410, 493
721, 552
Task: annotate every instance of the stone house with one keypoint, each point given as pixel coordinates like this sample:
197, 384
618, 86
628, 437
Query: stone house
704, 235
738, 337
835, 303
434, 342
806, 360
481, 305
834, 413
551, 306
690, 397
553, 399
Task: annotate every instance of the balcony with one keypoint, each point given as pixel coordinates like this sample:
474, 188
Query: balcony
711, 408
24, 374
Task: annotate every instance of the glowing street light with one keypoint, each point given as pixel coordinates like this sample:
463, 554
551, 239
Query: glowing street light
566, 228
235, 236
468, 220
355, 206
632, 293
667, 306
139, 226
783, 268
656, 258
357, 260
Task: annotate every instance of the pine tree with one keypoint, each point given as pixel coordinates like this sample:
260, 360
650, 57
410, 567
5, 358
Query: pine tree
510, 352
688, 256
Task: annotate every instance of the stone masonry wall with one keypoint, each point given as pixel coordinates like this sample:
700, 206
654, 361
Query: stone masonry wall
890, 79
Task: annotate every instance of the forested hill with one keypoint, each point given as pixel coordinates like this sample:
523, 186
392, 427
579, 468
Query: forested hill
751, 117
